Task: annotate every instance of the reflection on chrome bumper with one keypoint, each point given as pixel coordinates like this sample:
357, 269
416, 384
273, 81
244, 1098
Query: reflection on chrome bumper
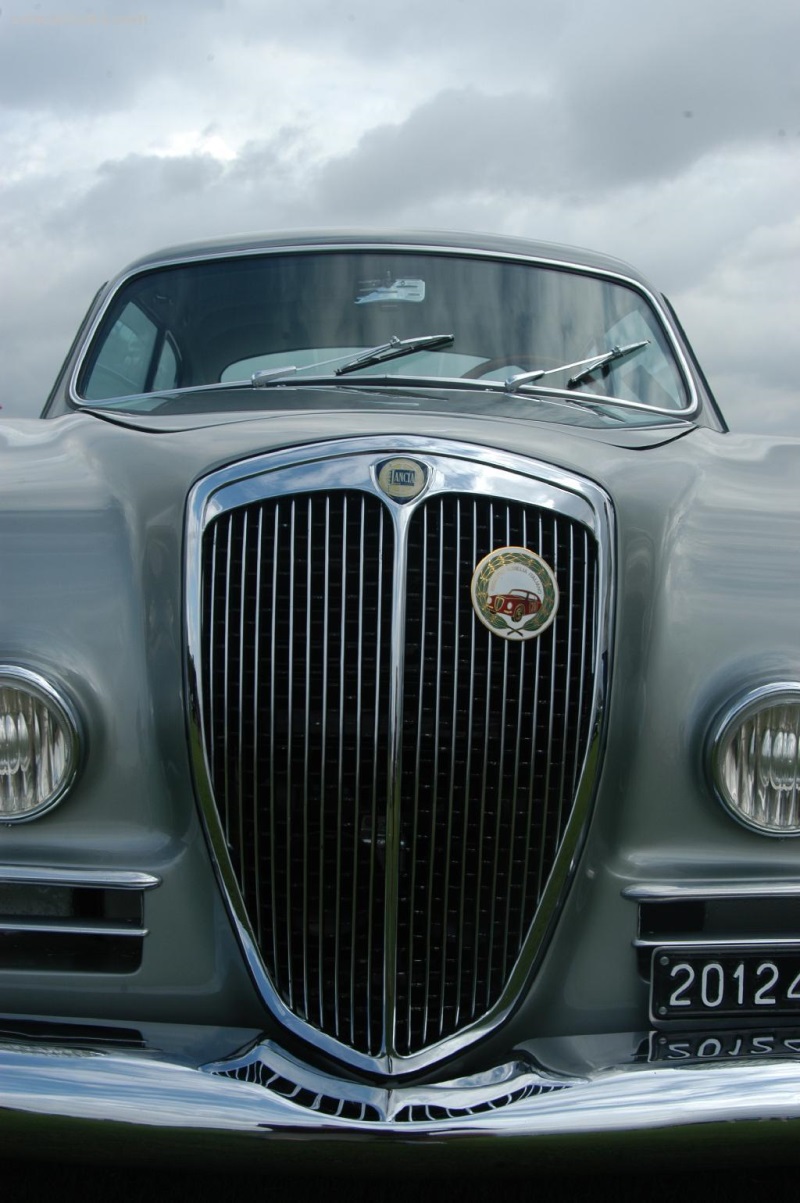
256, 1103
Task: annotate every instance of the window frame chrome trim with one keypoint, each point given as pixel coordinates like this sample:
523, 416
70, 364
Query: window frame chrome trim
536, 483
435, 249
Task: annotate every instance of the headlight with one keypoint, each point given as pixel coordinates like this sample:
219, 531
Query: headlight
39, 745
754, 759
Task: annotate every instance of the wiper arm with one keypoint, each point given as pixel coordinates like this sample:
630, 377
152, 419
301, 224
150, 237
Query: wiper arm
394, 349
594, 362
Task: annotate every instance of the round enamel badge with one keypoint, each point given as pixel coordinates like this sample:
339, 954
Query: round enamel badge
401, 479
514, 593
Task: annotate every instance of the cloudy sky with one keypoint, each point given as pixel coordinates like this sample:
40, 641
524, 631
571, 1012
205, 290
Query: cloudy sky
667, 134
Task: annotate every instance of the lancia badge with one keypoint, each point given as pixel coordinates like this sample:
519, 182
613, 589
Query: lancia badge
514, 593
402, 479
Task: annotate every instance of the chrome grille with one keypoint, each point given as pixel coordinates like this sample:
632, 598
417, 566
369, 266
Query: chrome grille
298, 596
493, 739
393, 782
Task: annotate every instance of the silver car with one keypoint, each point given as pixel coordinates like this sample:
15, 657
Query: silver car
313, 842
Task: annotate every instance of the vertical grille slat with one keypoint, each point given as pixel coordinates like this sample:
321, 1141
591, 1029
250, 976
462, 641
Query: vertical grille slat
323, 890
531, 818
456, 819
255, 703
269, 704
240, 714
450, 946
544, 837
226, 667
289, 927
562, 772
414, 982
210, 609
468, 794
340, 797
305, 865
581, 622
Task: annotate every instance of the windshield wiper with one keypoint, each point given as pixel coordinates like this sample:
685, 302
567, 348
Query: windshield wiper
594, 362
394, 349
608, 357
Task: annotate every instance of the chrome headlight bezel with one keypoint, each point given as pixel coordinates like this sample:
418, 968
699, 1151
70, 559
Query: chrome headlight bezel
60, 709
738, 722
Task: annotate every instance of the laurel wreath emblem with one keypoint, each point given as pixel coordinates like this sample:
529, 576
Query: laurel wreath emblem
484, 576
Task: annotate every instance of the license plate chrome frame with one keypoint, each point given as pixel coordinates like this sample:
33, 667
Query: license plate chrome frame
727, 982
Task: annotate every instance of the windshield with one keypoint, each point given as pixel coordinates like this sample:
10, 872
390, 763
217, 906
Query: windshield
222, 321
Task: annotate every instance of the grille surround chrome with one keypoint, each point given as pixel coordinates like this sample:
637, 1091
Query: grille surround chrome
270, 1068
452, 467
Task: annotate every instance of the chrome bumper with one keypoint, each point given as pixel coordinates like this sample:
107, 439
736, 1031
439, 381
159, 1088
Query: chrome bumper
90, 1104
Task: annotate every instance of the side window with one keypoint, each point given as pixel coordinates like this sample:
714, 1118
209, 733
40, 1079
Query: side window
166, 373
123, 362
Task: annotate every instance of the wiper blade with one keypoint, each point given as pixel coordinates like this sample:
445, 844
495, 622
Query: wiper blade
394, 349
594, 362
608, 357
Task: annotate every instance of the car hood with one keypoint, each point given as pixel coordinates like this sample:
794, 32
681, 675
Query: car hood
128, 457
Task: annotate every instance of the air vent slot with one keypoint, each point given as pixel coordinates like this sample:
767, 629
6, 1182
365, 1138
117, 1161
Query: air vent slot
715, 920
72, 924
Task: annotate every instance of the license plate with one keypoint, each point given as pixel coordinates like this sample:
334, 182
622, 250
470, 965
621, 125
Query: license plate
695, 983
723, 1045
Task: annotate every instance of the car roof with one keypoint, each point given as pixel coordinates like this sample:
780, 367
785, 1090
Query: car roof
405, 239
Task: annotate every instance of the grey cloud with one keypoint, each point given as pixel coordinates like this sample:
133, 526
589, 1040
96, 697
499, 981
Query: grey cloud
686, 86
517, 144
382, 32
728, 64
565, 101
590, 95
131, 194
62, 54
459, 140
